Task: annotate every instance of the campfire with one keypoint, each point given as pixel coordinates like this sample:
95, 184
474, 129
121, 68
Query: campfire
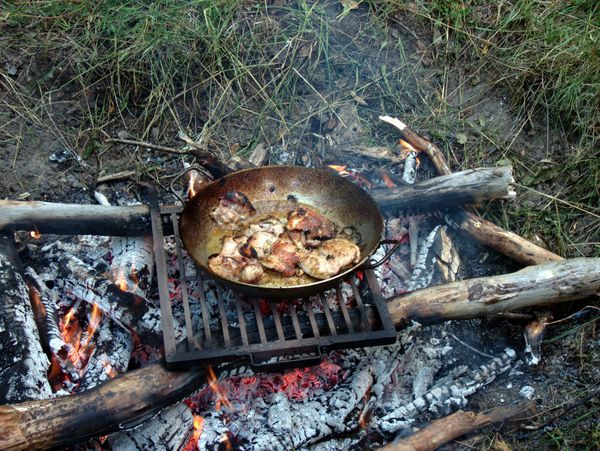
117, 337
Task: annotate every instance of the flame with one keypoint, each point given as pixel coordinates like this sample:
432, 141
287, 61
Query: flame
406, 145
340, 169
35, 234
192, 181
198, 425
213, 384
108, 368
79, 340
120, 281
387, 179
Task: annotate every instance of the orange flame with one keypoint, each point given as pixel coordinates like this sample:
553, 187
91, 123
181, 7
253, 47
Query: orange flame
108, 368
387, 179
193, 178
35, 234
340, 169
213, 384
198, 425
406, 145
120, 281
73, 335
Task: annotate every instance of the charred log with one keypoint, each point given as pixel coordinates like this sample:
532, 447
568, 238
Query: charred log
55, 422
168, 430
23, 363
458, 424
467, 187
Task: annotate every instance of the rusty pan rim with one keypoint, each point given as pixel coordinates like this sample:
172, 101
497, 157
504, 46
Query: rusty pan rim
287, 290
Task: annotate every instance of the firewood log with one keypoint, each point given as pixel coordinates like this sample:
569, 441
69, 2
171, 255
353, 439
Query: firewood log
486, 232
23, 363
71, 419
470, 186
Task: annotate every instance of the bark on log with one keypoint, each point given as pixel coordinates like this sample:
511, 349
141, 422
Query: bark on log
71, 419
73, 219
470, 186
535, 285
508, 243
486, 232
458, 424
466, 187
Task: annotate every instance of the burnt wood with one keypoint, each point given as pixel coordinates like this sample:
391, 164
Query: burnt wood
459, 423
486, 232
73, 219
71, 419
23, 363
472, 186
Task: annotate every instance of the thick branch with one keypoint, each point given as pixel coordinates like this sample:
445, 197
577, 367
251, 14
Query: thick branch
48, 217
486, 232
70, 419
45, 217
467, 187
542, 284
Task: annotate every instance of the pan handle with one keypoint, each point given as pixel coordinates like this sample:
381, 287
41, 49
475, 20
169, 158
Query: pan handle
181, 174
388, 254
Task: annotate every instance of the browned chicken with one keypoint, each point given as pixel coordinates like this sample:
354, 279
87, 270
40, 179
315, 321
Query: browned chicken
233, 207
284, 258
270, 224
258, 245
312, 222
226, 267
330, 258
252, 272
232, 265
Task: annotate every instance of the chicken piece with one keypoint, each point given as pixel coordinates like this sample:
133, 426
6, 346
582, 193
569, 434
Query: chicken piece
258, 245
252, 273
231, 247
312, 222
284, 258
330, 258
270, 224
233, 207
226, 267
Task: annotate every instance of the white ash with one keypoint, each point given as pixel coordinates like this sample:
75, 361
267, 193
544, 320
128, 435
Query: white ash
409, 175
169, 430
133, 262
527, 391
23, 363
443, 398
111, 355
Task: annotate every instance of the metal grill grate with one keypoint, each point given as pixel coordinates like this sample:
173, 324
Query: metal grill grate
222, 325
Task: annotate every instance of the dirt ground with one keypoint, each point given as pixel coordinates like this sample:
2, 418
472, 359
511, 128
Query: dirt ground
45, 155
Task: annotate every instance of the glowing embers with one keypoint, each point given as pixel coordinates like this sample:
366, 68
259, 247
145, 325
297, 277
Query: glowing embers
127, 283
78, 329
35, 234
360, 179
236, 393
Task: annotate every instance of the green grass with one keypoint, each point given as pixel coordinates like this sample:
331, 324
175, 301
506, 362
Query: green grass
545, 55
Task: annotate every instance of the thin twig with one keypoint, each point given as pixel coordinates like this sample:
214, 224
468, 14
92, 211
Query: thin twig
148, 145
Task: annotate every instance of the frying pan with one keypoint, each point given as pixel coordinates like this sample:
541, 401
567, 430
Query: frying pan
335, 197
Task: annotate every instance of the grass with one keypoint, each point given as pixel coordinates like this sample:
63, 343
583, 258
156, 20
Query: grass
545, 56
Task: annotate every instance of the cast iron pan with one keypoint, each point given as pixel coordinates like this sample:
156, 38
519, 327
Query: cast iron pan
337, 198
